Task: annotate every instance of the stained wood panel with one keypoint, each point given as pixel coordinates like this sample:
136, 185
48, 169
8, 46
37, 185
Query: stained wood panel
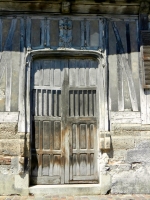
46, 123
82, 120
56, 110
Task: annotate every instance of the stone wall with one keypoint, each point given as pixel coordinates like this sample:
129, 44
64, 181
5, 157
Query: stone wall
13, 153
127, 164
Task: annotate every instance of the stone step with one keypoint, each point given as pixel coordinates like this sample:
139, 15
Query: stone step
78, 189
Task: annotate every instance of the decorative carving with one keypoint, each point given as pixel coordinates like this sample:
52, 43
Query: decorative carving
65, 33
144, 7
65, 7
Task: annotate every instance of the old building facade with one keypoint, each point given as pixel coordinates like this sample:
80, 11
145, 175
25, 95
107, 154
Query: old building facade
74, 97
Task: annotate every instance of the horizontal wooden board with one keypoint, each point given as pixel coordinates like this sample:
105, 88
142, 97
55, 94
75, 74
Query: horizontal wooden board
125, 117
76, 7
9, 116
45, 180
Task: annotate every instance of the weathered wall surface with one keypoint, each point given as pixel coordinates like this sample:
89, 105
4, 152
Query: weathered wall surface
13, 152
129, 159
125, 168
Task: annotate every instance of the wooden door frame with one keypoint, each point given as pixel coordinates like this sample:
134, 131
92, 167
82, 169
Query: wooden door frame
102, 122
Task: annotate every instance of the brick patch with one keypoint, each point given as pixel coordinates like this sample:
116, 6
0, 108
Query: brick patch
5, 160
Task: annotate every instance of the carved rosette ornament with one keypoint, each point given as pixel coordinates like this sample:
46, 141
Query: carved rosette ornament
65, 33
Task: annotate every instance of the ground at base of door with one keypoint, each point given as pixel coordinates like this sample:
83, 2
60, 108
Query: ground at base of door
92, 197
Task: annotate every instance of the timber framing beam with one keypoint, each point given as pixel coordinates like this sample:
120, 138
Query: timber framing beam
122, 7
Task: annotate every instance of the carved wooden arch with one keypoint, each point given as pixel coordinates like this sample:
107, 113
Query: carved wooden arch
24, 116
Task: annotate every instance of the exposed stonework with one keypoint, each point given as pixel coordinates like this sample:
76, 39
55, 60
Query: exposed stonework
129, 160
14, 149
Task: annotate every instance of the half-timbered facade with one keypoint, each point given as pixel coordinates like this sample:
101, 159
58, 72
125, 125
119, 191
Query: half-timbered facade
74, 97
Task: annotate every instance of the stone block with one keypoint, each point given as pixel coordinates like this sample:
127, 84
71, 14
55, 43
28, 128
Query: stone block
132, 181
105, 141
138, 155
105, 180
9, 131
145, 133
9, 147
116, 168
10, 185
118, 155
22, 181
142, 143
5, 169
14, 165
123, 142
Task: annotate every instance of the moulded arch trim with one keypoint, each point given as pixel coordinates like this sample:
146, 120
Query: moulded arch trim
35, 54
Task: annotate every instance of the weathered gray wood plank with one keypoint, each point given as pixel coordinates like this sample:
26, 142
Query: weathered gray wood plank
113, 78
21, 99
127, 69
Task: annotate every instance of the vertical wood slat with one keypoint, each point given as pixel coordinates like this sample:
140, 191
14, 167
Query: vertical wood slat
51, 133
88, 147
124, 34
74, 164
74, 135
76, 93
1, 26
90, 102
6, 63
94, 103
28, 32
120, 83
82, 33
101, 34
48, 33
85, 93
78, 147
87, 33
51, 165
42, 31
113, 78
49, 102
8, 83
82, 137
57, 135
95, 152
21, 101
36, 139
40, 147
81, 102
91, 136
134, 57
45, 166
147, 105
71, 145
58, 103
46, 135
71, 99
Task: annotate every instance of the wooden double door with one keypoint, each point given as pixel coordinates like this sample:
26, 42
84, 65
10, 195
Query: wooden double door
64, 111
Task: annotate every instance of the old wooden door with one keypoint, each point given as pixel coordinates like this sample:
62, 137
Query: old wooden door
64, 121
